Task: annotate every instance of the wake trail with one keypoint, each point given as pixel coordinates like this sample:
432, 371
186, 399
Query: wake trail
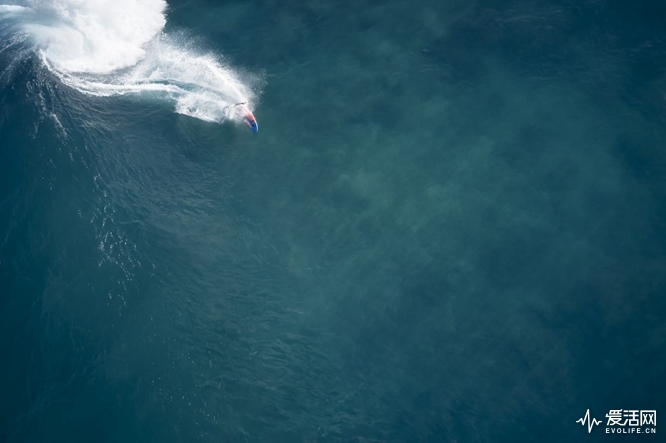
108, 48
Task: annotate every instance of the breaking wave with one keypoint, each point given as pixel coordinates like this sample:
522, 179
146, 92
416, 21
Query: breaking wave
106, 48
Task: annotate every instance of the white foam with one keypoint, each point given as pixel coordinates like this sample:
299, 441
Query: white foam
12, 9
115, 47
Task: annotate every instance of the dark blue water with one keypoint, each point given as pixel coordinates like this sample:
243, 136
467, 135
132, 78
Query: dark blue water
450, 228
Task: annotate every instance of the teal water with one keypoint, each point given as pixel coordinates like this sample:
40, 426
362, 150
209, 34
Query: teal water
450, 228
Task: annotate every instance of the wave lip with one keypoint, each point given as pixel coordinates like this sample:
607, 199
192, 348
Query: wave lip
117, 47
93, 36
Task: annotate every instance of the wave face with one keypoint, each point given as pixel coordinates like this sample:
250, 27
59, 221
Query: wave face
107, 48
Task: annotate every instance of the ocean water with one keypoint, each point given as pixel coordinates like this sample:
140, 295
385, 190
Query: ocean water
449, 228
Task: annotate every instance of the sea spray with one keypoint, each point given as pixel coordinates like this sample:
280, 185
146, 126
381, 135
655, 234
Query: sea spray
106, 48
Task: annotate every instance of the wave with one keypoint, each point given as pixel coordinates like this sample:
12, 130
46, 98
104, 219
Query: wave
119, 47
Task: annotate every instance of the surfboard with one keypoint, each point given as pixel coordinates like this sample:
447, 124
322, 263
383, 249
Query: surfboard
250, 121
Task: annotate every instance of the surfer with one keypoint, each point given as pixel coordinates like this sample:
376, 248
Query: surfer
248, 118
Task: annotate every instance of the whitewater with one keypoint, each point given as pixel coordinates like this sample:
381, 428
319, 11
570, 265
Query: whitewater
109, 48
